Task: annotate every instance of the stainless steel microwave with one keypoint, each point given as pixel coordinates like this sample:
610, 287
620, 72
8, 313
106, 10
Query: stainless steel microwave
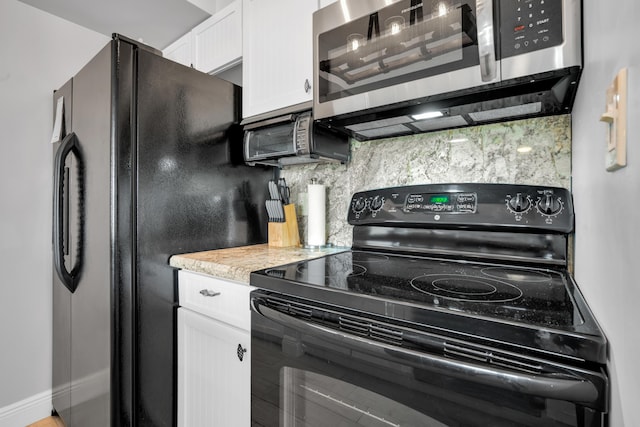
289, 139
391, 67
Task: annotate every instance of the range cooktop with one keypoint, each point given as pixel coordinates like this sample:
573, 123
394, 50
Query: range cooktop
535, 296
536, 308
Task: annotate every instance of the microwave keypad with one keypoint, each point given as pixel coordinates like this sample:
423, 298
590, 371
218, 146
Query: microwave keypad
529, 25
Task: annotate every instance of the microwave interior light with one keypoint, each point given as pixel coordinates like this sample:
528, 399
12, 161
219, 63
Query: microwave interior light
354, 41
427, 115
442, 8
394, 24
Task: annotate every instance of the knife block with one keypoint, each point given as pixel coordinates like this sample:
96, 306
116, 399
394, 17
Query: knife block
285, 234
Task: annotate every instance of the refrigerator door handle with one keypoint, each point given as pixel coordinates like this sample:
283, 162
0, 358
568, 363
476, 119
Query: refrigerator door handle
69, 145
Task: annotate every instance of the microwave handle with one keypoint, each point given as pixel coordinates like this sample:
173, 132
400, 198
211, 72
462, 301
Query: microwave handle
486, 42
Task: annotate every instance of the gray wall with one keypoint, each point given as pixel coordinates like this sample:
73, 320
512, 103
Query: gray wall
607, 204
38, 53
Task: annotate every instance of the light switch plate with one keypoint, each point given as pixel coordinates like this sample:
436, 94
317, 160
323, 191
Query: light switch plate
615, 116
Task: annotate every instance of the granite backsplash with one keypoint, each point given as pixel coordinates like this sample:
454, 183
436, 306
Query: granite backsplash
532, 151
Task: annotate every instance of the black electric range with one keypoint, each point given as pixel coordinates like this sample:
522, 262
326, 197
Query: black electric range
485, 261
484, 266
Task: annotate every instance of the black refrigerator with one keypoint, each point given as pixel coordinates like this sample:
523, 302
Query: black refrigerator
148, 165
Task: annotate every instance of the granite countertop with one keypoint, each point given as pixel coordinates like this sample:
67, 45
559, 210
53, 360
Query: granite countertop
238, 263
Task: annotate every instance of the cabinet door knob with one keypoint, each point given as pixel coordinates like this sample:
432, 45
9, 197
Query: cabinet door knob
307, 86
209, 293
241, 351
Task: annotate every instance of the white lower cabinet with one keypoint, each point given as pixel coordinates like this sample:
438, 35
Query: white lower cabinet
214, 356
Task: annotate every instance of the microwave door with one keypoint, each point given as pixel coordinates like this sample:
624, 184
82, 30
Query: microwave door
401, 50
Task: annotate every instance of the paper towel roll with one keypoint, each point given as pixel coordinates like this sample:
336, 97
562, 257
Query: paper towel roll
316, 222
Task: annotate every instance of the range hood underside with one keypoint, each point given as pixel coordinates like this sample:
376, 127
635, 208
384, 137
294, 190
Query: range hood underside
533, 96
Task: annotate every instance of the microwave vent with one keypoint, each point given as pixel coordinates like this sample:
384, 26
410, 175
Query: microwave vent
440, 123
385, 131
511, 112
376, 124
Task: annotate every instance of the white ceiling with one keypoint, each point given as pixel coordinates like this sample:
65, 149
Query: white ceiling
156, 22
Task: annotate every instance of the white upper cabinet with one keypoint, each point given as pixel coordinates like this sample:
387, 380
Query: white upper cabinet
277, 68
217, 42
213, 46
180, 51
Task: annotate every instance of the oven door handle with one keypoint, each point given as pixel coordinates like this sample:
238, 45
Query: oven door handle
579, 389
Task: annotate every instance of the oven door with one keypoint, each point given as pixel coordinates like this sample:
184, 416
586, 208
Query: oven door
307, 374
375, 53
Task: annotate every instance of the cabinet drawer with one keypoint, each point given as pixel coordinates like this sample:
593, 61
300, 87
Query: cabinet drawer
223, 300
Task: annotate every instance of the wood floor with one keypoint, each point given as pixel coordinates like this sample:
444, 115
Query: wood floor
48, 422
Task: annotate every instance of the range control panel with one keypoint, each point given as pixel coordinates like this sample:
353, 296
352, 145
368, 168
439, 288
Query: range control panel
529, 25
469, 206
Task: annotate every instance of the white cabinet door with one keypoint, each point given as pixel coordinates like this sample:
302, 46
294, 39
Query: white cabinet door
217, 42
180, 50
214, 368
277, 68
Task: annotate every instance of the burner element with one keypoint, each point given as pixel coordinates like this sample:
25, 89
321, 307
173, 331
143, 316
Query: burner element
368, 257
466, 288
472, 288
330, 269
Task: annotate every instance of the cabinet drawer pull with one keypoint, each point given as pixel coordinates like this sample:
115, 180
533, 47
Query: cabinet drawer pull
208, 293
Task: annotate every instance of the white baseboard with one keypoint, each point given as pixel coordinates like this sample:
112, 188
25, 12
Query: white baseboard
26, 411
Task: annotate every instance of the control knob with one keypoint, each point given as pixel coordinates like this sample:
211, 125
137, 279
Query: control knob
376, 203
549, 204
519, 203
359, 205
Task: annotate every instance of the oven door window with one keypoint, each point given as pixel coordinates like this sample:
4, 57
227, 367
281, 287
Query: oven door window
405, 41
310, 398
300, 378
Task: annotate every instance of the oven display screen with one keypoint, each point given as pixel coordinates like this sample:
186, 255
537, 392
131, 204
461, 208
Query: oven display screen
439, 199
441, 203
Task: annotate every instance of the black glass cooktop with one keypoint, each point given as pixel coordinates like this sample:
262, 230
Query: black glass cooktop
522, 308
528, 295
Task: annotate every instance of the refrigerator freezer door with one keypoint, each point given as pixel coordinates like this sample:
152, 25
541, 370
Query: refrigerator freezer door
91, 303
61, 379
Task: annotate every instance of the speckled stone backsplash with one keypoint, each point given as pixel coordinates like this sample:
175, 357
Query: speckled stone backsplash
532, 151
